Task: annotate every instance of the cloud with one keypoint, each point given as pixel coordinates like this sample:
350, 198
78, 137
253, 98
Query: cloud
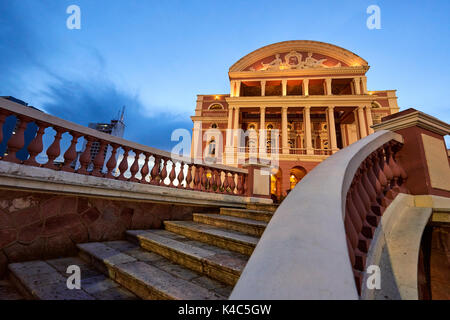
38, 68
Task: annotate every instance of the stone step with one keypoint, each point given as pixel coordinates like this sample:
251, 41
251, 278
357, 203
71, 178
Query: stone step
223, 238
8, 291
248, 226
47, 280
149, 275
223, 265
262, 207
247, 214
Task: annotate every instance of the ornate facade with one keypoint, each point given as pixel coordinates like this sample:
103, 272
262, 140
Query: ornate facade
312, 95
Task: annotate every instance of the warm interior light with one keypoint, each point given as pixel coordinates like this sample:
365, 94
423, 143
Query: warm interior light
208, 175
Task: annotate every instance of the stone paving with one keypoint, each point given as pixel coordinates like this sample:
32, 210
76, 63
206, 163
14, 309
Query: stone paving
192, 261
47, 280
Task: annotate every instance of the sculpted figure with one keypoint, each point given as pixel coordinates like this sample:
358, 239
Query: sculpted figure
275, 64
311, 62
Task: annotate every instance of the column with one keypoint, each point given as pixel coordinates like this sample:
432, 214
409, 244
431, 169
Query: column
361, 122
357, 85
328, 84
305, 84
232, 88
369, 119
238, 88
284, 87
236, 127
332, 130
307, 119
236, 118
262, 131
230, 117
284, 130
263, 88
364, 85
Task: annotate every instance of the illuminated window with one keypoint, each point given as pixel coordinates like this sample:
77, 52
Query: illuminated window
216, 106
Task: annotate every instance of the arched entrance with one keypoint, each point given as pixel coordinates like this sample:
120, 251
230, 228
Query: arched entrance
295, 175
275, 184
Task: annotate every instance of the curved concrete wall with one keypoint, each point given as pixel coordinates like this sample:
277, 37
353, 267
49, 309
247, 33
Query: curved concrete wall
303, 252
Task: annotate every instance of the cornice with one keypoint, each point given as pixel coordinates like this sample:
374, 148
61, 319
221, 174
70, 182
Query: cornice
359, 70
269, 101
415, 119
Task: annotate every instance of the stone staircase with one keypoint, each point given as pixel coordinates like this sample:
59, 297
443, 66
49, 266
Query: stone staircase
200, 259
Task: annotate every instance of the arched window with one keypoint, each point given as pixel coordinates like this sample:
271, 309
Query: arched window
212, 147
216, 106
375, 105
214, 126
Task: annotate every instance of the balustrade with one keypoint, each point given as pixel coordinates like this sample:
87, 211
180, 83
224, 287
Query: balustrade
375, 185
113, 158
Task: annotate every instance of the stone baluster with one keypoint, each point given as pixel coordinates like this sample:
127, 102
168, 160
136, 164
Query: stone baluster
134, 169
189, 176
225, 183
213, 180
172, 174
55, 148
232, 183
387, 199
85, 158
218, 181
155, 171
17, 141
36, 146
376, 185
366, 230
163, 174
240, 185
204, 179
369, 195
145, 169
123, 166
197, 184
245, 183
180, 176
99, 159
403, 176
395, 171
3, 115
112, 162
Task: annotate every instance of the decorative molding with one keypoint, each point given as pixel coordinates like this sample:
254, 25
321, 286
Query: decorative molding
294, 60
323, 48
415, 119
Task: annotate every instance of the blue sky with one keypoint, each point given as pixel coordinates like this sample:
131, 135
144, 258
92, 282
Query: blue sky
155, 56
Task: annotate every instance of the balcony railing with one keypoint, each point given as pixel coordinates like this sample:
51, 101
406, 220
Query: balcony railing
323, 152
297, 151
115, 158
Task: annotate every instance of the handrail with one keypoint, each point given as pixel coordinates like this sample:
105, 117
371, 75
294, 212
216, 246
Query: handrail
315, 245
191, 175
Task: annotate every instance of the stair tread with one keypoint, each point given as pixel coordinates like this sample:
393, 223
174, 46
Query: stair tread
156, 271
263, 212
232, 235
8, 291
222, 217
47, 280
210, 254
